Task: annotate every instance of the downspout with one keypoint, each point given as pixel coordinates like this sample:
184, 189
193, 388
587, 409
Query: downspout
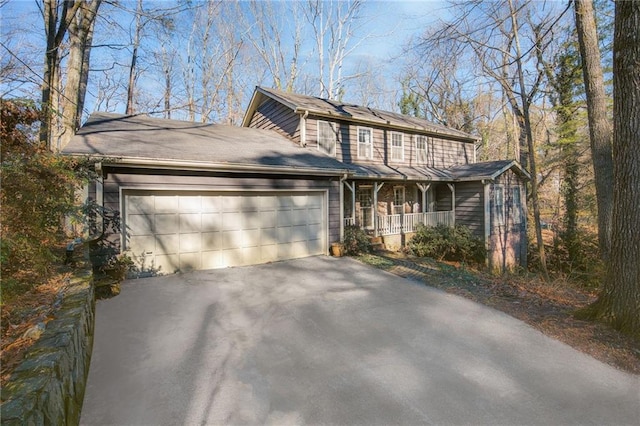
303, 128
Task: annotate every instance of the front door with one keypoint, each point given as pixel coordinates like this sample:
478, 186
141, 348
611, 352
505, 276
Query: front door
365, 199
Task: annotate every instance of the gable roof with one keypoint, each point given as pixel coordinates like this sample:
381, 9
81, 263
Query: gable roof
487, 170
144, 141
350, 112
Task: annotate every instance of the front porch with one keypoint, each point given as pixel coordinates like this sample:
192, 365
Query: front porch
396, 208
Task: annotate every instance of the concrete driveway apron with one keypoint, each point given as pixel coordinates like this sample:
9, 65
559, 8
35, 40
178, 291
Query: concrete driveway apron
326, 340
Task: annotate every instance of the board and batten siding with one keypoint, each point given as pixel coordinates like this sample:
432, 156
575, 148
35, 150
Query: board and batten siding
470, 206
272, 115
117, 179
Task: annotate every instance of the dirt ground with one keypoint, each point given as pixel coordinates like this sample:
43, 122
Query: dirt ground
548, 307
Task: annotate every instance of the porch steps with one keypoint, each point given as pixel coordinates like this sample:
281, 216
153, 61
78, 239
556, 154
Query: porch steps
377, 244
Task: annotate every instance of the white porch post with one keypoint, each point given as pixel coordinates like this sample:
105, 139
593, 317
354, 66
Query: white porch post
453, 201
424, 188
352, 188
376, 188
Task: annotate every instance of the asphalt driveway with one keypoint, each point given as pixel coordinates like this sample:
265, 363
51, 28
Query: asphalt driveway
332, 341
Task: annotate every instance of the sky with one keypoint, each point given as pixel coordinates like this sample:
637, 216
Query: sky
387, 25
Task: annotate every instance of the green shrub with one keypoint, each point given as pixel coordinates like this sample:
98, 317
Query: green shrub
356, 241
445, 243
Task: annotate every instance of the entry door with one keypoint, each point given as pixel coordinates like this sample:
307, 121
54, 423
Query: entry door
365, 198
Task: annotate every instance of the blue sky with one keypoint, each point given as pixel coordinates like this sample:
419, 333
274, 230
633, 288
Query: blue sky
388, 25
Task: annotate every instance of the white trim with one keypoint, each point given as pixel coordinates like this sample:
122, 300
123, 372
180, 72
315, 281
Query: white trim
370, 156
391, 159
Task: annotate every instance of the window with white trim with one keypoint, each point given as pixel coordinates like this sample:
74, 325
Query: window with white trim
327, 138
421, 149
365, 142
498, 205
398, 199
397, 146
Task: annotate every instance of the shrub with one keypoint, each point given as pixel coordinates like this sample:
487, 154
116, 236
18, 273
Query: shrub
445, 243
356, 241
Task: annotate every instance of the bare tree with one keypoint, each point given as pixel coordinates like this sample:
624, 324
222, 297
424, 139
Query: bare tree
600, 129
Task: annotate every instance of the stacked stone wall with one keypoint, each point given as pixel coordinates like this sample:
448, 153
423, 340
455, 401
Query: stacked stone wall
48, 386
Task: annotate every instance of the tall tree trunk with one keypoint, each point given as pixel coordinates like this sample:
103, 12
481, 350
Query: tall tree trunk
600, 131
55, 27
80, 38
619, 301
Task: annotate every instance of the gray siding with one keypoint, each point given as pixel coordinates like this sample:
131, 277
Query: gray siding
441, 153
470, 206
272, 115
203, 182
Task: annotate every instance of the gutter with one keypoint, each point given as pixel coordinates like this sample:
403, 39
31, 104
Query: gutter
150, 163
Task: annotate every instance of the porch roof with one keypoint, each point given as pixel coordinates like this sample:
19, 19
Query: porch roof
488, 170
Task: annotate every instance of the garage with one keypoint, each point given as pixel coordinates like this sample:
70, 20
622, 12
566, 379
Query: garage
170, 231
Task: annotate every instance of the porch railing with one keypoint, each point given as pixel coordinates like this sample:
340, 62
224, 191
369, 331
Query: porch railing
395, 223
349, 221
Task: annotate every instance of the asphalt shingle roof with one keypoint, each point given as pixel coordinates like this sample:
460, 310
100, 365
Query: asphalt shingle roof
346, 111
139, 137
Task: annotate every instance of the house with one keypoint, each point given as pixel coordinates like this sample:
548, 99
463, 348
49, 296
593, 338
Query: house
405, 171
201, 196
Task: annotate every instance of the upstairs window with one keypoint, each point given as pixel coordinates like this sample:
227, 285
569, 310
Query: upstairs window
421, 150
365, 142
397, 146
327, 138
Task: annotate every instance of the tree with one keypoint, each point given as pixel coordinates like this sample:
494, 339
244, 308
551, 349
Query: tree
619, 299
600, 130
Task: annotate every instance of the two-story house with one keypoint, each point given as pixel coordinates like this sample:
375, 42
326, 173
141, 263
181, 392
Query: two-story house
405, 171
201, 196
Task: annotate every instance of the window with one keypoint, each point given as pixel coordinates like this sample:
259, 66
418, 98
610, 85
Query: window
498, 204
365, 143
327, 138
421, 149
397, 146
398, 199
517, 205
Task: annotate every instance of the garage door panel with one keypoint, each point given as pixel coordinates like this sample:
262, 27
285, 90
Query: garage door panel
284, 218
211, 259
190, 222
140, 224
189, 261
211, 203
166, 223
211, 221
140, 204
231, 221
268, 219
166, 264
189, 243
167, 244
139, 245
211, 241
190, 203
251, 238
166, 204
231, 240
182, 231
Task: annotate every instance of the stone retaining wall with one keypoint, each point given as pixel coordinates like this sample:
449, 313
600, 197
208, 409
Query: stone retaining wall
48, 387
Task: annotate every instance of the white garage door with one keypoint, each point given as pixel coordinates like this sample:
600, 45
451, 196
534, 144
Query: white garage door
166, 232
